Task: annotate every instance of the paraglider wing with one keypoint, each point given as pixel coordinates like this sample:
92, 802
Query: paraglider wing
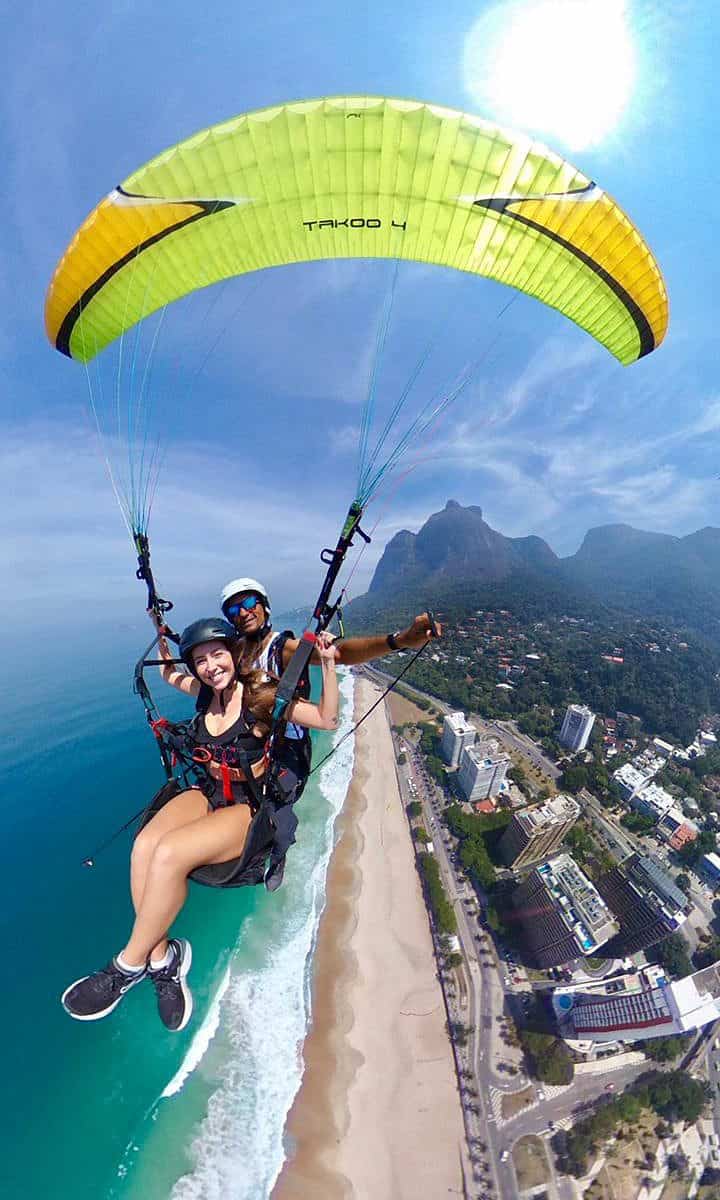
358, 177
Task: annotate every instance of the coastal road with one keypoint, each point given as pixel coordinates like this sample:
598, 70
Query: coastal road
383, 679
477, 1015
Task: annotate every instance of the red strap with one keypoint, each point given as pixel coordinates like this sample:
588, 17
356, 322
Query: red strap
156, 726
227, 787
309, 636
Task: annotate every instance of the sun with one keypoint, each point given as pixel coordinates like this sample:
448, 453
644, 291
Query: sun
561, 68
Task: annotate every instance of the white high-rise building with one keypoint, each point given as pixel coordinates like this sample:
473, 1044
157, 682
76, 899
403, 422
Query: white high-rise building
456, 735
577, 724
480, 778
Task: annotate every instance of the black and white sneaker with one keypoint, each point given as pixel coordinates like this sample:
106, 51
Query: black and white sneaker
174, 998
96, 995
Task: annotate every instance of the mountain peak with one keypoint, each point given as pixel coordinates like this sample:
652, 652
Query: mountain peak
454, 505
456, 544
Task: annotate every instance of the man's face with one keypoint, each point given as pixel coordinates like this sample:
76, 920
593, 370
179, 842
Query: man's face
247, 612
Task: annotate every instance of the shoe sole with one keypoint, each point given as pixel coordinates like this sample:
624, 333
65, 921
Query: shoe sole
105, 1011
185, 965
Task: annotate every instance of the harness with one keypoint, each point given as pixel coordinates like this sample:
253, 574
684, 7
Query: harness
235, 752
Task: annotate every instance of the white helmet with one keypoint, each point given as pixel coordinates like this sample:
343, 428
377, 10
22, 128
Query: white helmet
236, 586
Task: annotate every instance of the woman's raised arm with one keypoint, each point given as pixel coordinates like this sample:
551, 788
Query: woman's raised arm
176, 676
323, 715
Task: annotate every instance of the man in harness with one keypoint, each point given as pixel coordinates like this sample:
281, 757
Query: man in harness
246, 604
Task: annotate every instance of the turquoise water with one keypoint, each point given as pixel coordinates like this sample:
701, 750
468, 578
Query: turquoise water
120, 1107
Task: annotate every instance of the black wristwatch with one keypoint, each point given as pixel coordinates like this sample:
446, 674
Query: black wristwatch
392, 640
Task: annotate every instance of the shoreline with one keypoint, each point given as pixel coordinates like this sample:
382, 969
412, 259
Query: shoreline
377, 1112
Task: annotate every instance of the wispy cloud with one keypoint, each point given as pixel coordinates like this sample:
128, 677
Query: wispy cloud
552, 456
543, 376
63, 543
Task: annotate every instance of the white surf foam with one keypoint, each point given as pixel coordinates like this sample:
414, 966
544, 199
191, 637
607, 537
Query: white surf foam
201, 1041
264, 1014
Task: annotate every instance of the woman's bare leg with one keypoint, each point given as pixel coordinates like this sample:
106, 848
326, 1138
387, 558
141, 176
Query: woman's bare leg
214, 838
180, 811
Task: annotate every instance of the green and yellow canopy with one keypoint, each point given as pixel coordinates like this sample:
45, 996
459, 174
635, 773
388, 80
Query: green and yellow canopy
357, 177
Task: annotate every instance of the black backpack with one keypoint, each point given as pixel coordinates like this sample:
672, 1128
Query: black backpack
293, 755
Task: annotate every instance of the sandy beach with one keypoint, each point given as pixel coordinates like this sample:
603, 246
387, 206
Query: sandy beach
378, 1113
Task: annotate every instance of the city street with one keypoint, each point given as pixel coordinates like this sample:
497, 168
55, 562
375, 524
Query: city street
620, 842
713, 1070
509, 734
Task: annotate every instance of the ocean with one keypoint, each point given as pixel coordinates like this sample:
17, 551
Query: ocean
121, 1108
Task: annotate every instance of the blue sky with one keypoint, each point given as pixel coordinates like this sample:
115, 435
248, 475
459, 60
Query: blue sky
551, 437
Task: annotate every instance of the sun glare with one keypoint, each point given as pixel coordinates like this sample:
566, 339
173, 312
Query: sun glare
561, 68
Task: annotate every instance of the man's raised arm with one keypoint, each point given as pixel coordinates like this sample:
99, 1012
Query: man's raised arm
352, 651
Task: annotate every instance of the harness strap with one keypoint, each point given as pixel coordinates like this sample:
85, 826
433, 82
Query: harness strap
258, 794
290, 678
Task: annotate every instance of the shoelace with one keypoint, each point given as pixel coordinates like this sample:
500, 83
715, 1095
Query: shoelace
111, 972
166, 975
164, 987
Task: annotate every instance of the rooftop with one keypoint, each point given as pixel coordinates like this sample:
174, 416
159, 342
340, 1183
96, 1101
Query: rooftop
553, 812
458, 723
631, 777
653, 796
479, 757
580, 905
651, 881
642, 1005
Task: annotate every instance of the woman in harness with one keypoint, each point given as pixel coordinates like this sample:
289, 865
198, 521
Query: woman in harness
225, 822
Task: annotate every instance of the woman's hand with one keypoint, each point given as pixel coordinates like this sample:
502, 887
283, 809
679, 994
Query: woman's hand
326, 650
323, 715
160, 627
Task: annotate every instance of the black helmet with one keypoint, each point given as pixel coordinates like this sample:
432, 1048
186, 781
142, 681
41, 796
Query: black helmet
208, 629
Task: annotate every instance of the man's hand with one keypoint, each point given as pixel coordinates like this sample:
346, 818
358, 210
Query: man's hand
418, 633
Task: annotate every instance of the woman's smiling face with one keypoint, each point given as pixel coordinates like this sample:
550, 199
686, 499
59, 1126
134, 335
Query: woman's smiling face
214, 664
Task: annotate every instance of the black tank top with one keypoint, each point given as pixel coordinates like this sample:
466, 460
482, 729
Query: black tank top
234, 745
